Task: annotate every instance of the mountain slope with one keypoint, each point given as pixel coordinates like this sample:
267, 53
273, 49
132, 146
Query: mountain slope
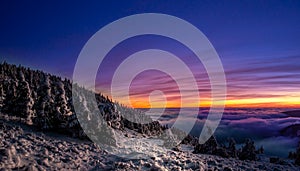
33, 101
46, 101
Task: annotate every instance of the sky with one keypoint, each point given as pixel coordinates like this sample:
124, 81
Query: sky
257, 42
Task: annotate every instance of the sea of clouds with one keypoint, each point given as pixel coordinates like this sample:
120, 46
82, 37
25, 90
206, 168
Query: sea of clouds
261, 125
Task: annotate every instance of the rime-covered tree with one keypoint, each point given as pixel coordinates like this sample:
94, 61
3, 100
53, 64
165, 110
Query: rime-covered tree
24, 101
62, 111
9, 103
90, 117
44, 106
53, 103
2, 96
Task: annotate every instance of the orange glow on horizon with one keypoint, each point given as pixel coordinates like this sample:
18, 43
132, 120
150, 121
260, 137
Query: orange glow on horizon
279, 102
288, 100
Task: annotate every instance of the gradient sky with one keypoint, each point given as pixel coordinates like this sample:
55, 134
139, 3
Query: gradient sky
257, 41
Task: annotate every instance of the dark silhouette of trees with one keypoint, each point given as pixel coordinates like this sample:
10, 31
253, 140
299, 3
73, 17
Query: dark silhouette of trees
248, 151
232, 148
295, 155
209, 147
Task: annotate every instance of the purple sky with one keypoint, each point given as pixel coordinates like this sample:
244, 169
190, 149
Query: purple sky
258, 42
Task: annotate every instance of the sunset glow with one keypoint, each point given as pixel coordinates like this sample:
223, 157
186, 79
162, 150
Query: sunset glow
280, 102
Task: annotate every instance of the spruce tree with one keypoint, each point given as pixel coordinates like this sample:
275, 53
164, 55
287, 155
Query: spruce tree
44, 105
62, 111
10, 90
248, 151
24, 101
231, 148
2, 95
297, 155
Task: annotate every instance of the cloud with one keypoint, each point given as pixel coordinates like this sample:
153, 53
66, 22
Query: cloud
278, 146
262, 125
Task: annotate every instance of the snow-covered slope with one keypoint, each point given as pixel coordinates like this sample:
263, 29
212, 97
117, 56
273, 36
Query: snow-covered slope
25, 148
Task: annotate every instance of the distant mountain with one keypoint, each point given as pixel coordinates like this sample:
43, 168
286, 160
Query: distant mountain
293, 113
291, 131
